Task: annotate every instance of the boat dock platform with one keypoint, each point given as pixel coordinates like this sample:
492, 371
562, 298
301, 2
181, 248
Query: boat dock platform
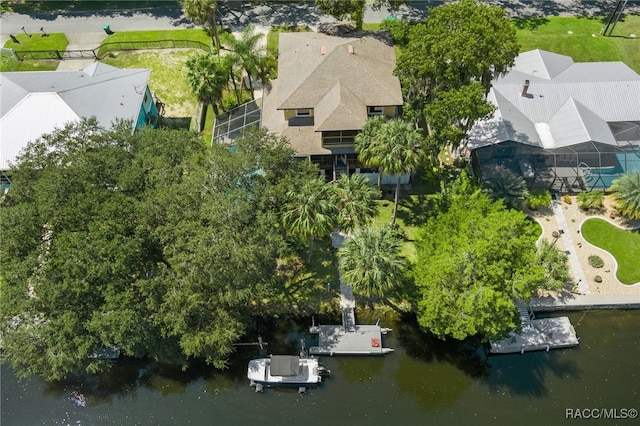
335, 340
538, 335
348, 338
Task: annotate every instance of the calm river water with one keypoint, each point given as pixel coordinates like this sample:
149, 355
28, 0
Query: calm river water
422, 382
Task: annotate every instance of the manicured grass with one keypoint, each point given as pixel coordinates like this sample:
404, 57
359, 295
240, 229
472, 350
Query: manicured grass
584, 44
196, 34
623, 245
416, 203
54, 41
155, 39
167, 76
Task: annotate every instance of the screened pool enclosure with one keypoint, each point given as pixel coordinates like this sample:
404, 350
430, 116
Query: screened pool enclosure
579, 167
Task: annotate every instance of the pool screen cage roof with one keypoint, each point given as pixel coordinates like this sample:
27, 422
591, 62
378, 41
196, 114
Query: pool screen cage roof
232, 123
584, 166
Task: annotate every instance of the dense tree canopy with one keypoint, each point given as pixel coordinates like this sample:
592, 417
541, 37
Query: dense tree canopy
459, 43
147, 242
473, 260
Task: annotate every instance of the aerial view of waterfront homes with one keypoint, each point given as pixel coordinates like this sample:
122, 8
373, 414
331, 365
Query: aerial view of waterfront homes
178, 177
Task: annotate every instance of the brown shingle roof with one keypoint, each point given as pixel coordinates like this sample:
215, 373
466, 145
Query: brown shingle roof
307, 75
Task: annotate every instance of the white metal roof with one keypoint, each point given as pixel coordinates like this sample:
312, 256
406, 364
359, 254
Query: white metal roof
100, 90
34, 115
566, 103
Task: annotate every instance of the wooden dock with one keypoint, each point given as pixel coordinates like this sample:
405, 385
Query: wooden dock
336, 340
348, 338
538, 335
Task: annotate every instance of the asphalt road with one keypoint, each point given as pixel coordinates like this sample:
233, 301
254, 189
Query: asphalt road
238, 15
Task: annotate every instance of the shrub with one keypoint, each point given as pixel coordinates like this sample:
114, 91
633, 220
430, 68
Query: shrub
590, 199
538, 199
596, 261
398, 29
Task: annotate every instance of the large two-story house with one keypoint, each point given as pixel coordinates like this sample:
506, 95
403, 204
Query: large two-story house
327, 87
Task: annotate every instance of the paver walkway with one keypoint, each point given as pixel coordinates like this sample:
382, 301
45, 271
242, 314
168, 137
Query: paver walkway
347, 299
570, 249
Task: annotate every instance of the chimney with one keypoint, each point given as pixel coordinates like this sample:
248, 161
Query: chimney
525, 88
350, 48
323, 50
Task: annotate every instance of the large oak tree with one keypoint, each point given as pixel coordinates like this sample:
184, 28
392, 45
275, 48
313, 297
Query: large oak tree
474, 259
460, 43
150, 243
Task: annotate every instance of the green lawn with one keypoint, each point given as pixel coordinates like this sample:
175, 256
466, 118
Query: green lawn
169, 38
416, 203
54, 41
167, 76
552, 34
623, 245
196, 34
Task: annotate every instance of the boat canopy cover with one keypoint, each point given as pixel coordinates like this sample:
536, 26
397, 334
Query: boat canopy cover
285, 365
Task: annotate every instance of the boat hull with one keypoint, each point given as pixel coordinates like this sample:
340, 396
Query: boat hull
267, 371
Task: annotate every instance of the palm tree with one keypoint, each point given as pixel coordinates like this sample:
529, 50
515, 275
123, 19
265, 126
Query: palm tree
310, 213
626, 192
512, 189
249, 51
588, 199
399, 151
354, 199
208, 77
555, 265
203, 12
371, 261
366, 145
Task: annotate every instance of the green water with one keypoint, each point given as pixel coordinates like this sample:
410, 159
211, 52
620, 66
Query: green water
422, 382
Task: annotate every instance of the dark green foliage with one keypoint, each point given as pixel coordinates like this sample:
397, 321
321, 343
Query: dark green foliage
343, 9
149, 243
473, 259
399, 30
460, 43
508, 187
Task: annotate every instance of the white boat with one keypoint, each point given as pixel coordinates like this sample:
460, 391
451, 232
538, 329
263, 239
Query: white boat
283, 370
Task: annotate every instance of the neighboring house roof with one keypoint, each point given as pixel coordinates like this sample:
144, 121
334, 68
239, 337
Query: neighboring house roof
37, 102
566, 103
339, 77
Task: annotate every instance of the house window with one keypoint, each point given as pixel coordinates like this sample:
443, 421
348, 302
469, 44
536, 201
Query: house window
304, 112
341, 137
375, 110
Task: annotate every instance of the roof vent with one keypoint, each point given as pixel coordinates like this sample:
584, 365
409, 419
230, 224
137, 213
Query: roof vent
350, 49
525, 88
323, 50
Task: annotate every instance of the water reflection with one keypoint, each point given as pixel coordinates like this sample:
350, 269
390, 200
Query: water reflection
528, 374
424, 381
